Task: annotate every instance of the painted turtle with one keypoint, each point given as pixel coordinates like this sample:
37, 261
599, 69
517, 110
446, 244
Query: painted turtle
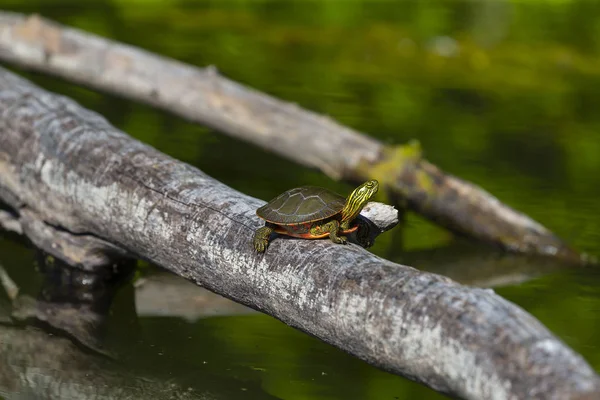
312, 213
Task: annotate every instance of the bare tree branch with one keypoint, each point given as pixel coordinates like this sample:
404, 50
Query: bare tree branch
202, 96
79, 173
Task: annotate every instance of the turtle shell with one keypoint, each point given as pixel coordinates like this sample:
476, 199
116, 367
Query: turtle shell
302, 205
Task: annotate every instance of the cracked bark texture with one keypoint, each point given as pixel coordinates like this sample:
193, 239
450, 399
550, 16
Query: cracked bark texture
313, 140
77, 172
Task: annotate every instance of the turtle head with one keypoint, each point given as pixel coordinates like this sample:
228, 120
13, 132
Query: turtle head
358, 199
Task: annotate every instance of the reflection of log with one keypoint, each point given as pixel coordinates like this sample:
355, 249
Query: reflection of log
309, 139
165, 294
73, 170
36, 365
480, 266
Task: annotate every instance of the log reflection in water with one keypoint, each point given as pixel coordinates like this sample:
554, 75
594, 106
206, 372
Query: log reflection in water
52, 346
481, 266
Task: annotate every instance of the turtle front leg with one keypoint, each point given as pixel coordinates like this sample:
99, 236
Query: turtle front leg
333, 227
261, 238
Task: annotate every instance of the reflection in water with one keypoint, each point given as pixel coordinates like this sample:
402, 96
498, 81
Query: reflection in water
53, 346
72, 302
167, 295
478, 265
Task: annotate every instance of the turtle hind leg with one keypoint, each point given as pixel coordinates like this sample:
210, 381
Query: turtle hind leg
261, 238
333, 227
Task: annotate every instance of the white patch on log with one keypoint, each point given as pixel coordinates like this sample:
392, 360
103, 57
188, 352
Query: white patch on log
382, 215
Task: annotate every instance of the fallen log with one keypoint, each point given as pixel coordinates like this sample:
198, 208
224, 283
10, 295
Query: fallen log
313, 140
75, 172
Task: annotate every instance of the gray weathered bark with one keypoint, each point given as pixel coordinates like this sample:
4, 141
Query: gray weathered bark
75, 171
202, 96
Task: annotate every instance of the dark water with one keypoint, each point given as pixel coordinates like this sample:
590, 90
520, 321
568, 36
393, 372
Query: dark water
505, 94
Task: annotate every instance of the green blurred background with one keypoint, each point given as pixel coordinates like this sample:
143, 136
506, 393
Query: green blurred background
503, 93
